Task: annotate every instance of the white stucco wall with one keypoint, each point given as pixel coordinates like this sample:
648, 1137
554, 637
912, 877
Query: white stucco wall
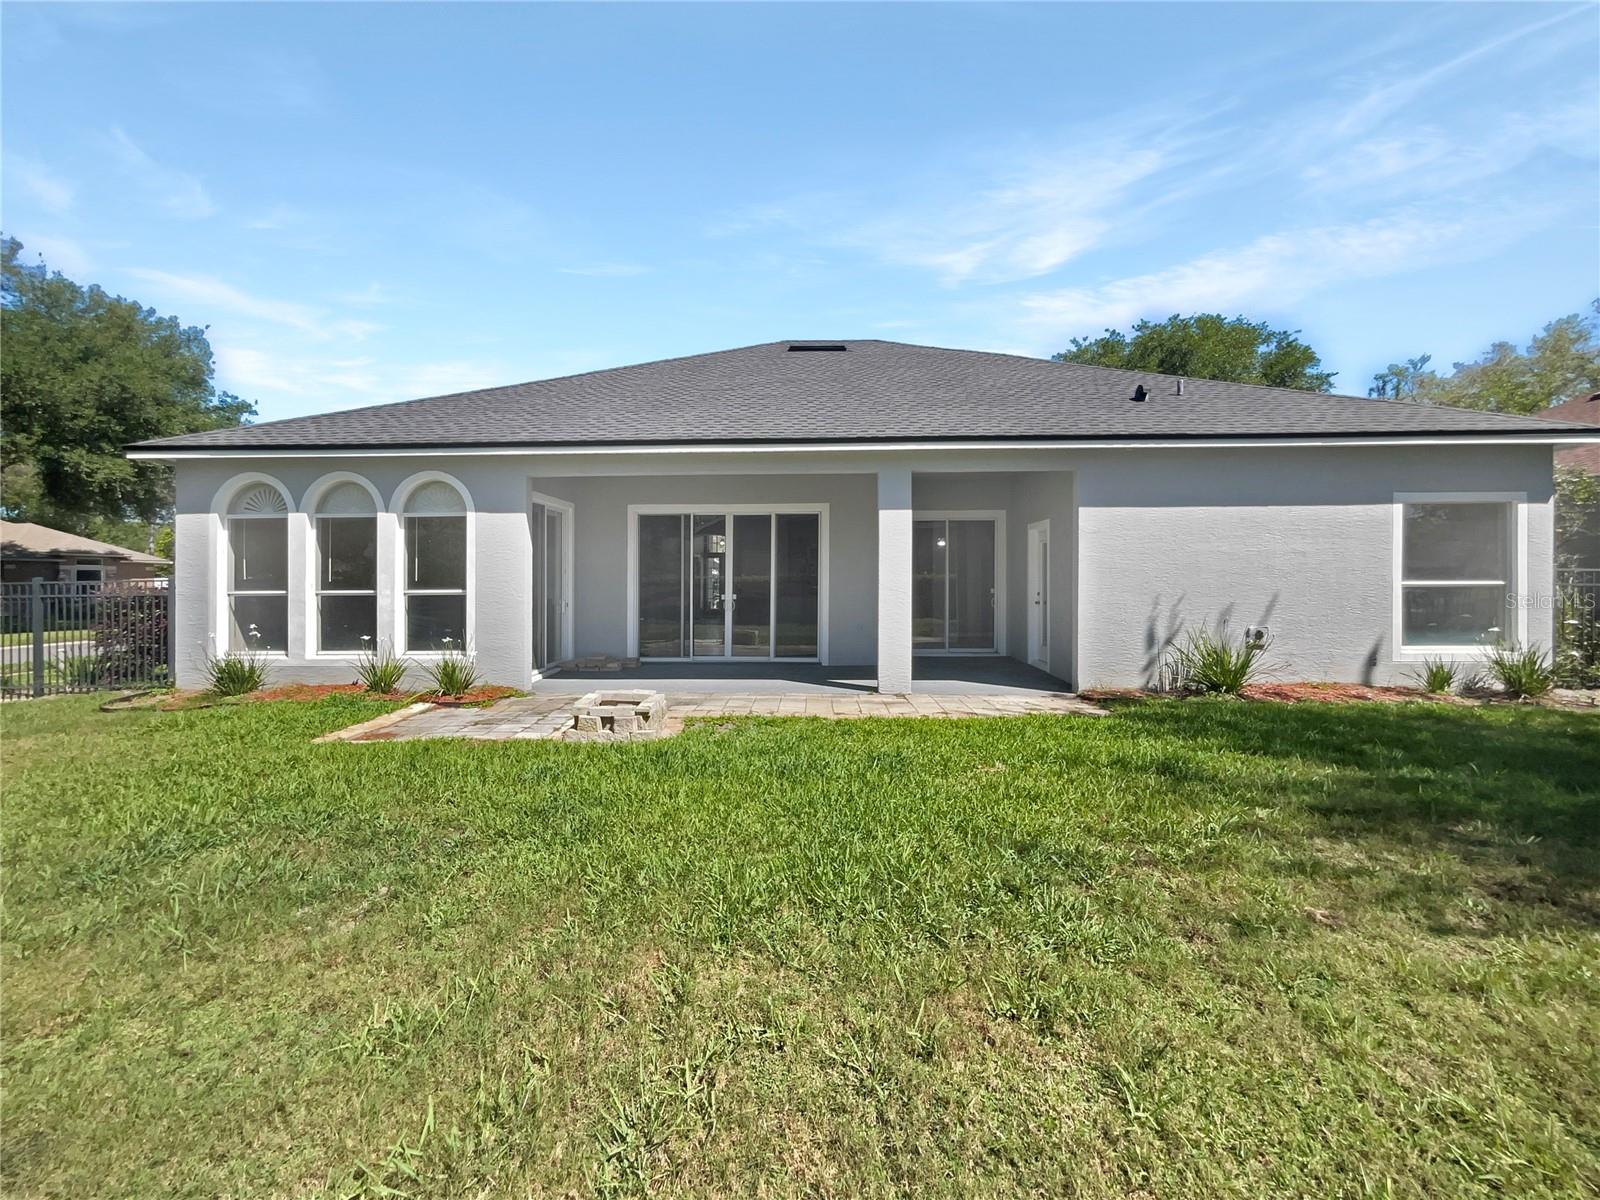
1145, 543
1300, 540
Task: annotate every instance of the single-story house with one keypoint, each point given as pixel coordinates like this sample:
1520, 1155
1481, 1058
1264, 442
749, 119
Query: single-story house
29, 551
866, 502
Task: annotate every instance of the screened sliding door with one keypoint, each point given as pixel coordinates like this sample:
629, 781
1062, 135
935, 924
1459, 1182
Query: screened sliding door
549, 586
953, 565
723, 585
663, 586
795, 571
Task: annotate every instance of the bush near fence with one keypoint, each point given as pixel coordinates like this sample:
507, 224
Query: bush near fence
95, 635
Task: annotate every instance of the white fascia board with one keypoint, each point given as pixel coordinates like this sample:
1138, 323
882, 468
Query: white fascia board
1467, 439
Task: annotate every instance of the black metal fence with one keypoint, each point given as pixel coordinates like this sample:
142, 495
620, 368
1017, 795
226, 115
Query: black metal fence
1578, 626
82, 637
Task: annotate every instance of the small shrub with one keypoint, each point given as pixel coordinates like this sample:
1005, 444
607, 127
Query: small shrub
454, 673
131, 629
1577, 662
83, 670
381, 670
1521, 672
1436, 676
235, 673
1209, 662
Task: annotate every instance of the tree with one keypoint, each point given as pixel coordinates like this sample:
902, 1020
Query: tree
1208, 346
1562, 360
83, 374
1401, 381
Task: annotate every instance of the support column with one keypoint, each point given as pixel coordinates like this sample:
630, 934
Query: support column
894, 580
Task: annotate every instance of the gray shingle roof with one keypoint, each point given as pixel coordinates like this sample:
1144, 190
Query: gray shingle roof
871, 391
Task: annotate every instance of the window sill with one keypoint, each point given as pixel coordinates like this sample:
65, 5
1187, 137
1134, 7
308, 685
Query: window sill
1415, 654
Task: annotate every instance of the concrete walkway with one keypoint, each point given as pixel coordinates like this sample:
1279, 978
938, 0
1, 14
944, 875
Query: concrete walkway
548, 716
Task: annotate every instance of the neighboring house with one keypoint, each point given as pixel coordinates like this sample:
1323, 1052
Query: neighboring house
29, 551
1585, 410
1581, 547
864, 502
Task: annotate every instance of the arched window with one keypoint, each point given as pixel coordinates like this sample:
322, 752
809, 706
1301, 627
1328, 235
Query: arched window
258, 569
346, 523
436, 568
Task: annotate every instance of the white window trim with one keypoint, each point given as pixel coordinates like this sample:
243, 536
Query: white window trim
998, 516
222, 559
1516, 585
820, 509
402, 494
569, 521
309, 503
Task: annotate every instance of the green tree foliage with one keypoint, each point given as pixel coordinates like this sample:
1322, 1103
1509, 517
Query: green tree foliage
82, 374
1208, 346
1562, 360
1399, 381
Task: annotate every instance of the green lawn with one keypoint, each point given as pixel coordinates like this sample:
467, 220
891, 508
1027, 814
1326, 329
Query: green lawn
25, 637
1196, 949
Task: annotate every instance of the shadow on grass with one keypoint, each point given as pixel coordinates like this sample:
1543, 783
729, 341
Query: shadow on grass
1514, 794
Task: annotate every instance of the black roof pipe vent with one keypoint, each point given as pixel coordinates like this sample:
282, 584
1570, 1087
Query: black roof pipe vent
1140, 395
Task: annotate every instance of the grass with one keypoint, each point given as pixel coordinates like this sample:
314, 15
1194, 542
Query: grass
1200, 948
25, 637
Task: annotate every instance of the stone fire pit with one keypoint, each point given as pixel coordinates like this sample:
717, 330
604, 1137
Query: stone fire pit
620, 714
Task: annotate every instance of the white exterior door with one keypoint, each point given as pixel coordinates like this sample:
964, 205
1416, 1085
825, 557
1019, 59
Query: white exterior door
1039, 594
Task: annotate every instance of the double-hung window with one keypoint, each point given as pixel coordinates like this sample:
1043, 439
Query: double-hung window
347, 570
436, 569
1457, 572
258, 570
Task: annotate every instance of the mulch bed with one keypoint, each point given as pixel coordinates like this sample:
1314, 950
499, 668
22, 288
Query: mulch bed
1357, 693
486, 694
311, 692
1343, 693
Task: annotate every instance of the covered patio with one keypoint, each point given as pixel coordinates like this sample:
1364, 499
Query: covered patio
970, 675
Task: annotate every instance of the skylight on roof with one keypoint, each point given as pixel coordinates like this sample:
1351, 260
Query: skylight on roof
797, 346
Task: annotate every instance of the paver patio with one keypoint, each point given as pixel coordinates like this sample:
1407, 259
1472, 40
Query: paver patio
548, 716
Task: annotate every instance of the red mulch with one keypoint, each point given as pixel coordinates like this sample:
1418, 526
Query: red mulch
1339, 693
1294, 693
481, 695
309, 691
317, 691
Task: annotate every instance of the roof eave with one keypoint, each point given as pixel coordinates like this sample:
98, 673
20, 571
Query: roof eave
1551, 436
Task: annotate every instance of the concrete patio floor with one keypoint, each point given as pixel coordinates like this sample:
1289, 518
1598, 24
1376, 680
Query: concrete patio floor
549, 714
983, 675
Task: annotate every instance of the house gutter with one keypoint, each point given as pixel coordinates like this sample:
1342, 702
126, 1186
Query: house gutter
1553, 437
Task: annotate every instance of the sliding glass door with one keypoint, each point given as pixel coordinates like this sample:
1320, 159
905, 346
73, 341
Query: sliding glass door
953, 564
725, 585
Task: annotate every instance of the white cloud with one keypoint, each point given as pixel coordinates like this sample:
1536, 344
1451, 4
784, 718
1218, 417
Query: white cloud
1271, 271
1399, 90
1046, 214
290, 379
49, 190
59, 253
993, 224
214, 293
1428, 159
180, 193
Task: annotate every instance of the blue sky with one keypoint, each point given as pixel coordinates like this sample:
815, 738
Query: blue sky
371, 202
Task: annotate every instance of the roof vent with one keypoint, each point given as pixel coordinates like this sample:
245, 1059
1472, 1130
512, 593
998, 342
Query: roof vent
1140, 395
795, 347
